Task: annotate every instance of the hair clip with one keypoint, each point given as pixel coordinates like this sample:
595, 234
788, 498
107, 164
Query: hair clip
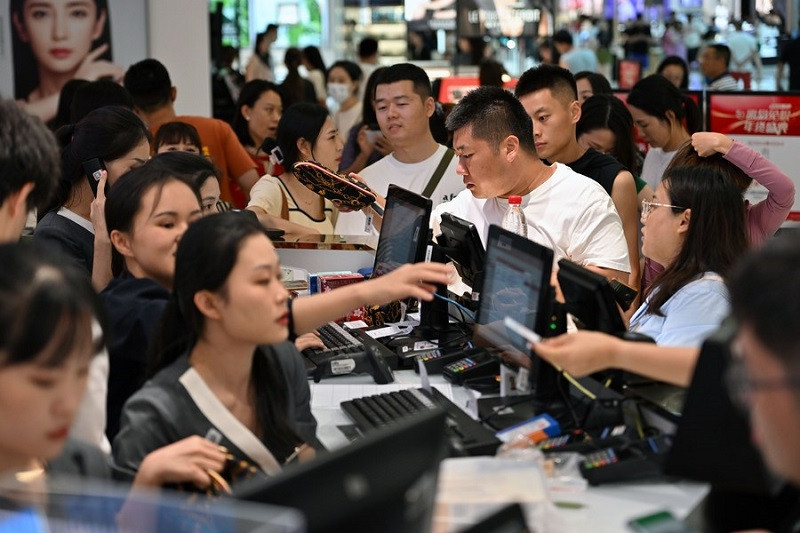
276, 155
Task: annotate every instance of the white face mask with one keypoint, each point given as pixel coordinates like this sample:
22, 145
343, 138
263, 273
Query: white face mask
339, 92
303, 71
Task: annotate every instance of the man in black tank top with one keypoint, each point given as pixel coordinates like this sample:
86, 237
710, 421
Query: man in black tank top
550, 96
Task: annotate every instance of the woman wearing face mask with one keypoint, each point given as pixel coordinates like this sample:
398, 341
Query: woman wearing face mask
73, 223
306, 132
344, 78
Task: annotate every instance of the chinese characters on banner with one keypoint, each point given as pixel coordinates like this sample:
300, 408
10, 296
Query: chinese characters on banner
769, 124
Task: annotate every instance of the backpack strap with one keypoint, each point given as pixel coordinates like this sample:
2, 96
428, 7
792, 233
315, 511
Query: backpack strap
438, 173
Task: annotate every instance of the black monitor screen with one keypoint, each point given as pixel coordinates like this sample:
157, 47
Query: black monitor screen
383, 482
404, 230
516, 283
589, 298
461, 244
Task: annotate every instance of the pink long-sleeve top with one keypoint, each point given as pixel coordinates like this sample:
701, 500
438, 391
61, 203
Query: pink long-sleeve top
764, 218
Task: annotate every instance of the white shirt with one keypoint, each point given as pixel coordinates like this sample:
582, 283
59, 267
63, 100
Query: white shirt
345, 120
569, 213
742, 46
411, 176
655, 163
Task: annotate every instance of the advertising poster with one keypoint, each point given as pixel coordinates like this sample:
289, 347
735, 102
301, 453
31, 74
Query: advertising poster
46, 43
766, 122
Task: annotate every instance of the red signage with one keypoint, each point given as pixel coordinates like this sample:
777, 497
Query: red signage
768, 123
453, 88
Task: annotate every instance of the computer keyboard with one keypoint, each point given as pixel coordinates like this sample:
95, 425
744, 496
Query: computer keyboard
466, 436
338, 341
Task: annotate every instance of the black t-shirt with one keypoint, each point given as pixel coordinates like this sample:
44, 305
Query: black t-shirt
791, 56
602, 168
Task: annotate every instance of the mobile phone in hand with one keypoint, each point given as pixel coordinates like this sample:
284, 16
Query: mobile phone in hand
93, 169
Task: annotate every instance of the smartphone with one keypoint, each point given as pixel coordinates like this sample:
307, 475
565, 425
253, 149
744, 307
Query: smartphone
660, 522
93, 169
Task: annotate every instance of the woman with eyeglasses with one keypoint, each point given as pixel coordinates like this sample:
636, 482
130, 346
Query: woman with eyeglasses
694, 227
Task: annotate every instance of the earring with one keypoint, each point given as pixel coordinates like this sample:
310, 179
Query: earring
247, 118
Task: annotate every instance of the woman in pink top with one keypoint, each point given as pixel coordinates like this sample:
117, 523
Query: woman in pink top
742, 164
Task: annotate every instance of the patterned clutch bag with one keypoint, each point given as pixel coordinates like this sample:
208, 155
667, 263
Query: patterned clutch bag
333, 186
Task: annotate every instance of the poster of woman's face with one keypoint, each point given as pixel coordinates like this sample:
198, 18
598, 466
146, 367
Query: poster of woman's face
54, 41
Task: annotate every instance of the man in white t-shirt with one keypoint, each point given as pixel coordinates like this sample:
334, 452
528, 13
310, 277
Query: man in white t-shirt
403, 107
744, 51
565, 211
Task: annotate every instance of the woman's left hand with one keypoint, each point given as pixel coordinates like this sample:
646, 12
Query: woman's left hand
97, 213
580, 353
309, 340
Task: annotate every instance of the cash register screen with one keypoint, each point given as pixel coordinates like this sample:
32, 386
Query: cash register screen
516, 283
404, 230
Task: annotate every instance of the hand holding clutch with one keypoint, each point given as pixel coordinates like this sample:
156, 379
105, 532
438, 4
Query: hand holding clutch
333, 186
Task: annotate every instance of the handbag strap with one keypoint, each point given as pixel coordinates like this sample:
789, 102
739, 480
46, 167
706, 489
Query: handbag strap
438, 173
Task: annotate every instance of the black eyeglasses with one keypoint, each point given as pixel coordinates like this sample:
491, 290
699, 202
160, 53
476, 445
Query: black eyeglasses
741, 386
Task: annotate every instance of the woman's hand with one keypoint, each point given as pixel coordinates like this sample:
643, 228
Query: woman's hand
383, 146
309, 340
364, 145
97, 212
408, 281
580, 353
93, 68
708, 143
189, 460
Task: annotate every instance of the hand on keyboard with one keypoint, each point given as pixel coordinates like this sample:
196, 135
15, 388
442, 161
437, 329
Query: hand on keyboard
309, 341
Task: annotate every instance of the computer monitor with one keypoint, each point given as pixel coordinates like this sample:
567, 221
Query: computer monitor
589, 298
404, 230
712, 443
461, 244
516, 283
385, 481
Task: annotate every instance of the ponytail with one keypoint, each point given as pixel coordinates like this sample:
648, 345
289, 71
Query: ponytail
694, 119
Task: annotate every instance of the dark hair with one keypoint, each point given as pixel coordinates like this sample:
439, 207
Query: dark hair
491, 73
407, 72
563, 36
687, 156
28, 154
107, 133
353, 70
47, 306
312, 55
222, 236
97, 94
678, 61
26, 75
722, 52
716, 237
368, 105
494, 114
606, 111
149, 83
765, 296
559, 81
248, 96
194, 167
65, 97
271, 27
176, 132
368, 47
293, 86
598, 82
124, 200
655, 95
300, 121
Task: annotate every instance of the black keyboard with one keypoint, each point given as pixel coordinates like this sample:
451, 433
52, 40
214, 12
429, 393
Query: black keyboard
466, 436
338, 341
